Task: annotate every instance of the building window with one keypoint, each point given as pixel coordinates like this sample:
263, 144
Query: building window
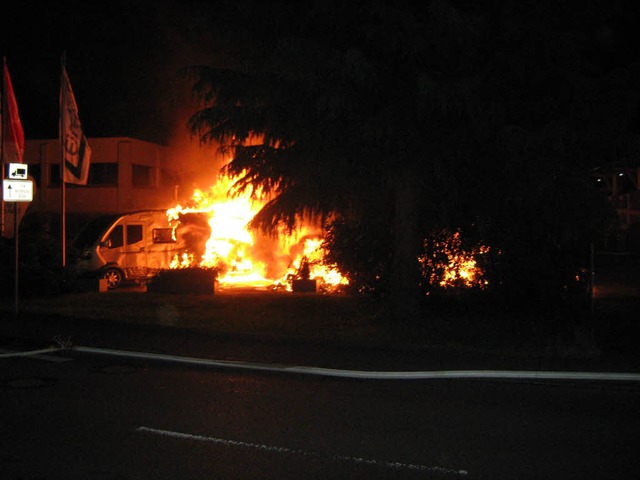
141, 175
163, 235
102, 174
34, 172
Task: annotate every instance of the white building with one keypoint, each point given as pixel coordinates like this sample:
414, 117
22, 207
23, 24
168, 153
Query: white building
125, 174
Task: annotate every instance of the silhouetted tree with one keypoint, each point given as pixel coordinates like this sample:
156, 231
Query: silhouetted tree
359, 106
397, 118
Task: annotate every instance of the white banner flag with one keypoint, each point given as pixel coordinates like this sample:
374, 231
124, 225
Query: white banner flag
76, 151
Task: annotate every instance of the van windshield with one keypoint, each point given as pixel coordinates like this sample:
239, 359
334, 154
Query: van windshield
92, 231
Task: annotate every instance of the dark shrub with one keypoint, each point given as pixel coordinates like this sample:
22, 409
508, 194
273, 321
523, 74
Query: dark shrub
184, 280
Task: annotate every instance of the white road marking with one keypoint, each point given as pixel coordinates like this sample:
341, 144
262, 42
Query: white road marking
366, 374
273, 448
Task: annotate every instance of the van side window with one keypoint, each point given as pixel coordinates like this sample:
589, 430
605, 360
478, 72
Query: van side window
134, 234
116, 238
163, 235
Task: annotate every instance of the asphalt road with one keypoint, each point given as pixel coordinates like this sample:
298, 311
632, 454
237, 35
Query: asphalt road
77, 416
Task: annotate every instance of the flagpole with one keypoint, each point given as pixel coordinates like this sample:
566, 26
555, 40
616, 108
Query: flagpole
2, 120
3, 114
16, 265
75, 153
63, 192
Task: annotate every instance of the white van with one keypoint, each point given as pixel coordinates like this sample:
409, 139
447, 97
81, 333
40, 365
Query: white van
129, 247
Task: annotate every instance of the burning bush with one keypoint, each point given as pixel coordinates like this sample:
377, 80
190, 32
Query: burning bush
448, 264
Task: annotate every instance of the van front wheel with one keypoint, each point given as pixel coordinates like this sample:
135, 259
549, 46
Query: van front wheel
113, 276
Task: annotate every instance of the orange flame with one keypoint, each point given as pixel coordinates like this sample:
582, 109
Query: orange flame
448, 265
215, 226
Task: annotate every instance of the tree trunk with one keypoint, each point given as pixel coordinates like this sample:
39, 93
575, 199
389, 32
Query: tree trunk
405, 275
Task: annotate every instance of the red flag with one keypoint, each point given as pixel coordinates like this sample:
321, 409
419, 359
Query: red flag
12, 133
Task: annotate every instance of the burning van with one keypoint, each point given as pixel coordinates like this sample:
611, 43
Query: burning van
129, 247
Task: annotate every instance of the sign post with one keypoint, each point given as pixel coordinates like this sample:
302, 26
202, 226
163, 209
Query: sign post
17, 188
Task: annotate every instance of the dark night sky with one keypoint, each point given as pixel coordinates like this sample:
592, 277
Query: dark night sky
122, 58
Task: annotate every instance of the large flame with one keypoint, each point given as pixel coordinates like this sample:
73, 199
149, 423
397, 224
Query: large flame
213, 232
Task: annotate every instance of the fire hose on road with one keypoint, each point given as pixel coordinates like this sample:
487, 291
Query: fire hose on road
63, 347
